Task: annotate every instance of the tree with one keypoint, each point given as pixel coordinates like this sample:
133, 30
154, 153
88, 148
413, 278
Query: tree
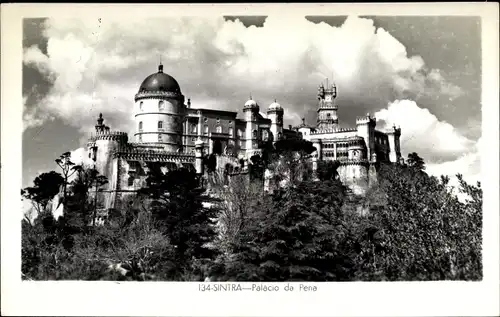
178, 206
295, 235
237, 203
423, 232
415, 161
68, 168
46, 186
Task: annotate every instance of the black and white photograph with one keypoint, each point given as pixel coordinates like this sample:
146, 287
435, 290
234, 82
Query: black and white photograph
243, 152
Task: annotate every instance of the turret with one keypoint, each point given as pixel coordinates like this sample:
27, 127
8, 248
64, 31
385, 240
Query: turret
159, 111
394, 144
251, 110
275, 114
327, 108
365, 127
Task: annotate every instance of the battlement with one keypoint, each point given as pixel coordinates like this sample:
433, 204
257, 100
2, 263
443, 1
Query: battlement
394, 130
365, 120
130, 153
362, 162
324, 131
119, 136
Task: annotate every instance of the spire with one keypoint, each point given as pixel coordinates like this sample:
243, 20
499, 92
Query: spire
160, 67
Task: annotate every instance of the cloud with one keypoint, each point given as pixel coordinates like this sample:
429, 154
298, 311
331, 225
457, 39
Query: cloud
422, 132
97, 66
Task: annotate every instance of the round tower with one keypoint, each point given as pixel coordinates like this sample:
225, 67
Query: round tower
251, 111
159, 111
275, 114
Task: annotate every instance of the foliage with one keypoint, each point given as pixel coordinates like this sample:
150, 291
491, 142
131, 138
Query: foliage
294, 236
178, 207
46, 186
416, 227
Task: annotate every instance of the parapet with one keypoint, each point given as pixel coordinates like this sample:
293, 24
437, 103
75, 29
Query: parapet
326, 131
118, 136
361, 162
394, 130
366, 120
158, 95
130, 153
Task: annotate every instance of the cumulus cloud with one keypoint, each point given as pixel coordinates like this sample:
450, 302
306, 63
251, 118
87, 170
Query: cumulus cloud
424, 133
445, 149
97, 66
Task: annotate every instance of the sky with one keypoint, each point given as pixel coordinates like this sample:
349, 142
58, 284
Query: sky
420, 73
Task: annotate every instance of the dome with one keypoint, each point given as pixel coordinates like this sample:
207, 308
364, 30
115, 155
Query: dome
250, 103
275, 106
160, 82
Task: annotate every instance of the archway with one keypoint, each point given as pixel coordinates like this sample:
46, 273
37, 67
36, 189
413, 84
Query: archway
217, 147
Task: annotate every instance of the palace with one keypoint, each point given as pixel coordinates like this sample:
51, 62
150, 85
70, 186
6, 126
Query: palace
171, 132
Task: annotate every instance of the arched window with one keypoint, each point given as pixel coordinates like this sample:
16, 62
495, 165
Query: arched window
140, 105
160, 124
219, 129
161, 105
140, 126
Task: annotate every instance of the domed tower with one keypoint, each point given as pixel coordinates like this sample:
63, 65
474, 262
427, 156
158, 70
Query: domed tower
327, 108
275, 114
251, 110
159, 111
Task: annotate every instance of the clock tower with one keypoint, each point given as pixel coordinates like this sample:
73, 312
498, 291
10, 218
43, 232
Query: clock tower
327, 108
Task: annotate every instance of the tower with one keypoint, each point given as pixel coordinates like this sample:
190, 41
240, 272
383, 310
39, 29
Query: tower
394, 145
275, 114
251, 110
365, 127
327, 108
159, 111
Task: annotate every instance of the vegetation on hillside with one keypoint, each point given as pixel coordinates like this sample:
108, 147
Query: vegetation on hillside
415, 228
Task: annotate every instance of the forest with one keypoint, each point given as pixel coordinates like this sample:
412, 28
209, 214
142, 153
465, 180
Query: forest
410, 227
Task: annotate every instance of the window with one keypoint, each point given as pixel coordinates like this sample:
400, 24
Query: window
231, 131
254, 134
140, 105
219, 129
140, 126
240, 133
161, 105
160, 124
328, 115
206, 129
130, 181
194, 128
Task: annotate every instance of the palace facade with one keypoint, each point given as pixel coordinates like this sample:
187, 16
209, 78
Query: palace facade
171, 132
